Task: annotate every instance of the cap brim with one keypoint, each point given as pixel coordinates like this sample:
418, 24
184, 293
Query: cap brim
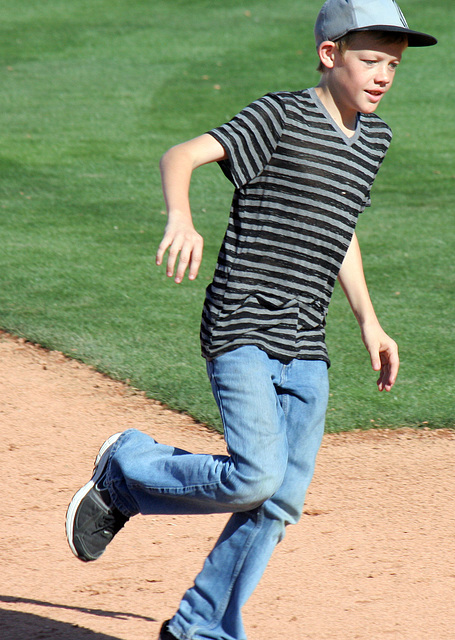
415, 38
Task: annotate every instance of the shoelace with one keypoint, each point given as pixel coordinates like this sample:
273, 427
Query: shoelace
111, 523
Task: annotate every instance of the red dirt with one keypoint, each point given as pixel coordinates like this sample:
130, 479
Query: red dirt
371, 559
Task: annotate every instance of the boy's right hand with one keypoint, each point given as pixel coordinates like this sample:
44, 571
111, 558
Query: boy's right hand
185, 244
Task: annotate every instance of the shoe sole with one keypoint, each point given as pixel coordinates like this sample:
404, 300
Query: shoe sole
100, 463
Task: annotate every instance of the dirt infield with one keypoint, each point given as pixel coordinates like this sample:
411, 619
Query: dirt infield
372, 558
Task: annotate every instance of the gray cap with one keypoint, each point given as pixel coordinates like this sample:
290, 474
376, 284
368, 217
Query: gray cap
339, 17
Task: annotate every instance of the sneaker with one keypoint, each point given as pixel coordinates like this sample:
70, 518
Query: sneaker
92, 520
165, 634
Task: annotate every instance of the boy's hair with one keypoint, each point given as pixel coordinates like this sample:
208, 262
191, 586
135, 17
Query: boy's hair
384, 37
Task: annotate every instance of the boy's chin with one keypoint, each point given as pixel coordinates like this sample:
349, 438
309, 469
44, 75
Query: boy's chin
371, 108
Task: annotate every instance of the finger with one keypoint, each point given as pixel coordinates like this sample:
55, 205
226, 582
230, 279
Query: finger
392, 373
381, 382
170, 241
161, 251
389, 371
182, 266
384, 382
172, 259
195, 263
375, 359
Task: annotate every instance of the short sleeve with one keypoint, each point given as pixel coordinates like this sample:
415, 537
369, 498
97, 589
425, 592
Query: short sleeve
250, 139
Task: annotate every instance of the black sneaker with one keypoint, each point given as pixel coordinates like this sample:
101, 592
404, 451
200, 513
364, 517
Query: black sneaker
91, 520
165, 634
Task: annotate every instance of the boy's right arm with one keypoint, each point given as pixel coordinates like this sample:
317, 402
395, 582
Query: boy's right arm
180, 236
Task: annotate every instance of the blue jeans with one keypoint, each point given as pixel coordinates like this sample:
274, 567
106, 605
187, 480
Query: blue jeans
273, 415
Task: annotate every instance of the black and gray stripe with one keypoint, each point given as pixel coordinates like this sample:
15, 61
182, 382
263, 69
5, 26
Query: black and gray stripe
300, 185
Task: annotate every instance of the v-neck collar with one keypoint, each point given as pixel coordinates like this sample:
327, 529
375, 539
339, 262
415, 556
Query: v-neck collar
349, 140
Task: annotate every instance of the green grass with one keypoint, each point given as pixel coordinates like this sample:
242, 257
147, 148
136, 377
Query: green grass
94, 92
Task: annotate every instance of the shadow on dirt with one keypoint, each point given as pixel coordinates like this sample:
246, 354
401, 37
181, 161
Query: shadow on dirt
17, 625
122, 615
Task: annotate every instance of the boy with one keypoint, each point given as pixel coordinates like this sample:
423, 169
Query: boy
302, 164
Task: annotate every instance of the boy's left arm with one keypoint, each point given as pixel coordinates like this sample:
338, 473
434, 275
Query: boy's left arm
382, 349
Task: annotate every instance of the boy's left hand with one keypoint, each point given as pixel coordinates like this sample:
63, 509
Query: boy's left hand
383, 354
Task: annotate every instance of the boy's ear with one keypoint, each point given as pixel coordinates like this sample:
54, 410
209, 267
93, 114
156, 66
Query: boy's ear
327, 51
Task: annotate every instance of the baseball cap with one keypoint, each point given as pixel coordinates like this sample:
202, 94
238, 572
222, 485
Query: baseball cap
339, 17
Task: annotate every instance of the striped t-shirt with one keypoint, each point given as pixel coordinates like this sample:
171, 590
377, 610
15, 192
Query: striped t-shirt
300, 184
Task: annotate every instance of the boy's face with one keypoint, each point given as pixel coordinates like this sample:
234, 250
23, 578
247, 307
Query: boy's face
362, 75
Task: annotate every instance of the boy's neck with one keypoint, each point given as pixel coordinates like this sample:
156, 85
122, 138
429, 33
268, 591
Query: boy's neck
347, 121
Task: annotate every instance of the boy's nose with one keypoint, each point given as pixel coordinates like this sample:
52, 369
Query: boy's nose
383, 76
